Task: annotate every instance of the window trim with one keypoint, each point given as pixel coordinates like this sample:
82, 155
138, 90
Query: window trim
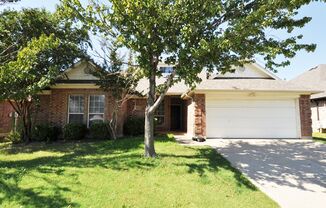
83, 113
88, 107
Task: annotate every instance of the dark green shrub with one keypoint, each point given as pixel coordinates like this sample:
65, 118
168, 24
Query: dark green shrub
45, 132
134, 126
74, 131
99, 130
14, 137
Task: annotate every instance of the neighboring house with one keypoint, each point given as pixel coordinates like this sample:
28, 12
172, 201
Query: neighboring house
316, 77
250, 103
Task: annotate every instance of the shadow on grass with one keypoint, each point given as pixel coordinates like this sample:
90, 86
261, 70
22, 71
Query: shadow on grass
32, 197
120, 155
320, 139
208, 160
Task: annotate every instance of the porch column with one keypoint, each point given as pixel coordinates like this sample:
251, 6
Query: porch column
200, 115
305, 117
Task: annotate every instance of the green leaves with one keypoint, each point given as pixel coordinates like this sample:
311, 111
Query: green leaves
35, 46
196, 34
23, 76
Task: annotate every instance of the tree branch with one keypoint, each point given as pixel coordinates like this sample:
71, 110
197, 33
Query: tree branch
16, 108
167, 84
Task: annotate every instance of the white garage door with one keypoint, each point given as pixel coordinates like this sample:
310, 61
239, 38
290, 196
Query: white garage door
251, 118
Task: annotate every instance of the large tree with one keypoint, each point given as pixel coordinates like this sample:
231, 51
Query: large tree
193, 35
35, 46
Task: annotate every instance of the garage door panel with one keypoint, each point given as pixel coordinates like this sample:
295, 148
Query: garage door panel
252, 112
216, 103
251, 118
258, 123
257, 133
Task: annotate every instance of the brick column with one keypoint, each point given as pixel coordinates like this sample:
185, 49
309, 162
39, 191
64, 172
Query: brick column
305, 116
200, 115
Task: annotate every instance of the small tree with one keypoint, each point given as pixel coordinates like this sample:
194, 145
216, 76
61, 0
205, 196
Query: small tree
193, 35
120, 82
35, 47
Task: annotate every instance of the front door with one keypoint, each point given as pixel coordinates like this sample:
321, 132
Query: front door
176, 118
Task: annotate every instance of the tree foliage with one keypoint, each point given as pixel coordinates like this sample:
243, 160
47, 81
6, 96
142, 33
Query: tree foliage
119, 81
194, 35
7, 1
35, 46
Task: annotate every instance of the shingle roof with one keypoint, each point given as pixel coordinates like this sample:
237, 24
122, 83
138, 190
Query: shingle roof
252, 85
313, 78
234, 85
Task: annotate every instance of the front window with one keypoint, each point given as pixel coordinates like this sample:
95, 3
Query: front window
166, 69
76, 109
96, 109
159, 115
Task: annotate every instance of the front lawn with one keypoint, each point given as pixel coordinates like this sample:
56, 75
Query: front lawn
114, 174
320, 137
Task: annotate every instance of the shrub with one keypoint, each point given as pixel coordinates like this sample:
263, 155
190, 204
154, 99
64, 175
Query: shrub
45, 132
74, 131
14, 137
99, 130
134, 126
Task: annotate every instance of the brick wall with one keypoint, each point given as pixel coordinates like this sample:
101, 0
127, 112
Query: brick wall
41, 114
305, 116
136, 107
5, 121
200, 115
53, 109
42, 110
58, 107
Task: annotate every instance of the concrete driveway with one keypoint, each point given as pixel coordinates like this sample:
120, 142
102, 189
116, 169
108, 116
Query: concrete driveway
291, 172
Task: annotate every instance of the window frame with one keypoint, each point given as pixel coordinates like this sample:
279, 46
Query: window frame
83, 113
89, 105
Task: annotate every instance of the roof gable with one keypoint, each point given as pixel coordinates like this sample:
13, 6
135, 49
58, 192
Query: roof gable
80, 71
314, 77
248, 71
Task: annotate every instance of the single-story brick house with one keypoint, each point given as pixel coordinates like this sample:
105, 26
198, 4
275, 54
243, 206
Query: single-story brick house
316, 77
250, 103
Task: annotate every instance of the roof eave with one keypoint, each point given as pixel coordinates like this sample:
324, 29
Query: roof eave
310, 92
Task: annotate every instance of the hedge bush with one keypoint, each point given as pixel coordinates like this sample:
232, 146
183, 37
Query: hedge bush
45, 132
134, 126
74, 131
14, 136
99, 131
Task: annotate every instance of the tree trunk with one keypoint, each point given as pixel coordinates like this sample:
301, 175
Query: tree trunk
114, 121
149, 134
113, 130
23, 109
27, 126
149, 117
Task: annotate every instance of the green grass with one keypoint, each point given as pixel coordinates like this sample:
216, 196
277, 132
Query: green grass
320, 137
114, 174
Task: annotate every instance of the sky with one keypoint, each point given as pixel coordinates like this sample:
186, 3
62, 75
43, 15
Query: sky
313, 32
